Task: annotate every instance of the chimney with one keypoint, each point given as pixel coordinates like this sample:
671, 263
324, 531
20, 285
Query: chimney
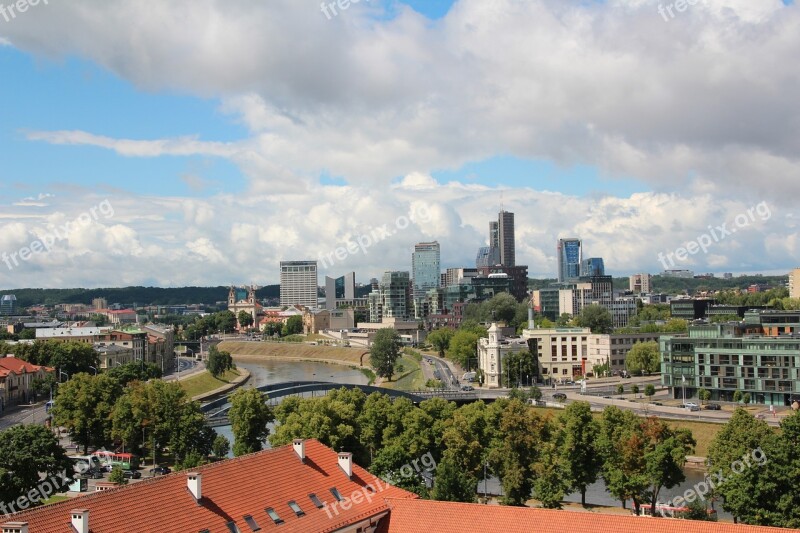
299, 446
15, 527
346, 463
195, 483
80, 520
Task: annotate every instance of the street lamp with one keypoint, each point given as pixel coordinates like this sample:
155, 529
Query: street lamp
62, 373
93, 368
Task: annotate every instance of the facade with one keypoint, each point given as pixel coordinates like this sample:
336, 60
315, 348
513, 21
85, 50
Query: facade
244, 299
569, 260
8, 305
794, 283
339, 289
161, 346
316, 320
426, 268
392, 299
690, 308
546, 301
591, 267
487, 256
492, 351
459, 276
563, 353
100, 303
505, 224
299, 283
759, 356
687, 274
614, 348
111, 355
641, 283
518, 276
17, 379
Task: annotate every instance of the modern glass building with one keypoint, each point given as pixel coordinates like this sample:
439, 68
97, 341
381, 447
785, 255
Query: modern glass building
592, 267
759, 356
426, 268
488, 256
391, 299
569, 260
8, 305
508, 255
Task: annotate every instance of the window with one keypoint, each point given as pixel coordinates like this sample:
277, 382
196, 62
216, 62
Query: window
251, 522
317, 503
336, 494
232, 527
296, 508
272, 514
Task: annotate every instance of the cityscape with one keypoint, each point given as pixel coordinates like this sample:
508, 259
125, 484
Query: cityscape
250, 280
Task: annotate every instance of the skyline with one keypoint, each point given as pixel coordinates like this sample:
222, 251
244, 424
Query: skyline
224, 154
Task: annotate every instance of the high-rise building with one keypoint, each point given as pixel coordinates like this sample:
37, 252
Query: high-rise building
569, 260
341, 288
459, 276
299, 283
8, 305
794, 283
506, 239
592, 267
640, 283
391, 298
425, 267
494, 234
488, 256
100, 303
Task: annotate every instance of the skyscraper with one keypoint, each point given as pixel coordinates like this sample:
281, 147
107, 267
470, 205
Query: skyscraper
569, 260
506, 238
494, 234
593, 266
299, 283
341, 288
425, 268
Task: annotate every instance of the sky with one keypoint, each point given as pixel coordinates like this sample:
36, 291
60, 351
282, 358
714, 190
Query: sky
201, 142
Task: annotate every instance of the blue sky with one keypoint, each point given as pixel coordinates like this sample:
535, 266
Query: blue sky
234, 135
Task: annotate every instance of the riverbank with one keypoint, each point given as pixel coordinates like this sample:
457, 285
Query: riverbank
204, 386
260, 351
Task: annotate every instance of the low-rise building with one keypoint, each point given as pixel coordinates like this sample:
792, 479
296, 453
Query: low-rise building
614, 348
111, 355
562, 353
17, 380
161, 346
492, 353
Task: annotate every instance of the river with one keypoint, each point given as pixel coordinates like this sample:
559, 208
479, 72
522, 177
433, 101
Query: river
276, 371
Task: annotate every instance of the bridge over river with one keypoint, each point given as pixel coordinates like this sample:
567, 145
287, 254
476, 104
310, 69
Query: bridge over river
217, 411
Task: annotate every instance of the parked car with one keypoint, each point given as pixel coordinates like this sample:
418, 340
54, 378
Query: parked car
131, 474
691, 406
657, 403
559, 396
713, 406
160, 471
467, 388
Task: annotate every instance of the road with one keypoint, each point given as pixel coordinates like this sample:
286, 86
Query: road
445, 372
26, 414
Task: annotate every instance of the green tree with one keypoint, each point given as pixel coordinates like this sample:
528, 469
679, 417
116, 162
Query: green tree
84, 405
535, 393
384, 352
563, 320
440, 339
635, 388
293, 326
737, 396
464, 346
595, 317
218, 362
665, 454
622, 450
580, 453
452, 483
134, 371
649, 390
245, 319
676, 325
117, 476
221, 447
521, 368
704, 395
27, 452
643, 357
501, 307
249, 415
225, 321
746, 398
620, 389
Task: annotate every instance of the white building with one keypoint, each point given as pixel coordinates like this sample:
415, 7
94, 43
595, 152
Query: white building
491, 353
614, 348
299, 283
563, 353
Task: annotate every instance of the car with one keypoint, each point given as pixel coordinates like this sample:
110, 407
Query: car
657, 403
467, 388
131, 474
713, 407
691, 406
160, 471
559, 396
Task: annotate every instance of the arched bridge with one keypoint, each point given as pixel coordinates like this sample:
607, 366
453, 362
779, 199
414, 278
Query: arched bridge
217, 411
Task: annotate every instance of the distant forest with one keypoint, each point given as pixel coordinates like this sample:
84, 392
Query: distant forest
211, 295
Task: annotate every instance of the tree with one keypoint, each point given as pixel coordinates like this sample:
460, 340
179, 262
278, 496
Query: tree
649, 390
221, 447
746, 398
384, 352
464, 346
134, 371
737, 396
245, 319
521, 368
704, 395
581, 453
440, 339
676, 325
595, 317
249, 415
501, 307
27, 452
535, 393
218, 362
620, 389
665, 454
643, 357
84, 405
117, 476
635, 388
452, 483
293, 326
225, 321
563, 320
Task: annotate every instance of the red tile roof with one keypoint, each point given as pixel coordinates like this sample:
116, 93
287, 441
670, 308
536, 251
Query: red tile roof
231, 490
18, 366
426, 516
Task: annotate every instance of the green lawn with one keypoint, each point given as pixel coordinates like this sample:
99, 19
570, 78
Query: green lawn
411, 378
205, 382
54, 499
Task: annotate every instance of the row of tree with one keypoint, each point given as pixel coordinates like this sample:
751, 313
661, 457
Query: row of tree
534, 455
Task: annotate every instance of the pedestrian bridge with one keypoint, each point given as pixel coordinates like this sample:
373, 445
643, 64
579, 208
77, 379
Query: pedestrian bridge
217, 411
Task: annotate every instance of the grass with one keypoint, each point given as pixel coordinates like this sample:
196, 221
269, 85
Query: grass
205, 382
412, 377
259, 351
54, 499
370, 375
